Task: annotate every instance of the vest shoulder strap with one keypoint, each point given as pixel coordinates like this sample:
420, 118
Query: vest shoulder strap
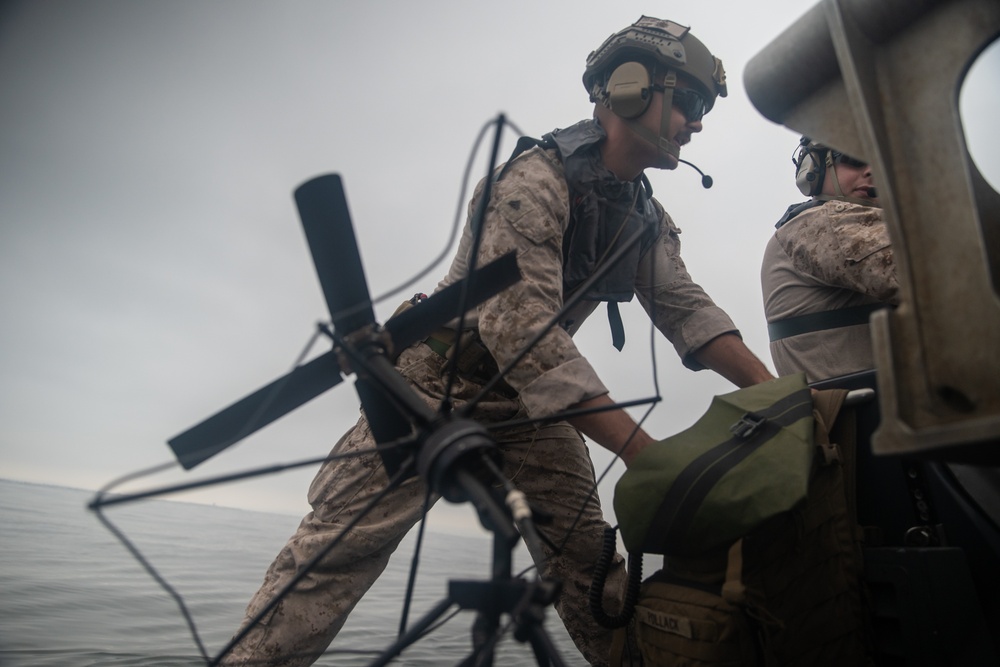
524, 144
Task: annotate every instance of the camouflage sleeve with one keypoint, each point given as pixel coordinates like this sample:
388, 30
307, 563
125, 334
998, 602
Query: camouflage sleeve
843, 245
678, 306
528, 213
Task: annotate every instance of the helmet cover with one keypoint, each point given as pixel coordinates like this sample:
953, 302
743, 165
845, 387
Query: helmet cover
660, 43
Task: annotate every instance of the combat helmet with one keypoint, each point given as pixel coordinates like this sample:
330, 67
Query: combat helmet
660, 44
624, 71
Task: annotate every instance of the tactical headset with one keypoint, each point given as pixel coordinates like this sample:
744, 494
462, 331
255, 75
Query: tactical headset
810, 166
629, 90
811, 163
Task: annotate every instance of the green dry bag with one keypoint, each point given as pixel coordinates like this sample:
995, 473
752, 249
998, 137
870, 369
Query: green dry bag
748, 458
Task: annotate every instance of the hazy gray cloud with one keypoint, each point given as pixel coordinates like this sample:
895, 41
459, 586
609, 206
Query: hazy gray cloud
152, 268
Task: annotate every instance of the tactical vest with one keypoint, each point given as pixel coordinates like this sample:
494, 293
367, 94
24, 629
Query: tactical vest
603, 210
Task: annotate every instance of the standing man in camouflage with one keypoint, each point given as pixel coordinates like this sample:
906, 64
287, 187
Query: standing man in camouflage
563, 205
828, 266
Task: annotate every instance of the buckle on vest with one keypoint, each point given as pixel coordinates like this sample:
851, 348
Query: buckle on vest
747, 425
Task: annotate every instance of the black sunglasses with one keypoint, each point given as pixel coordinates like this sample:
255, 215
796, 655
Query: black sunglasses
840, 158
690, 102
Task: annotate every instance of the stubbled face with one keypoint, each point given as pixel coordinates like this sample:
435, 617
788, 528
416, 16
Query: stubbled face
853, 177
678, 132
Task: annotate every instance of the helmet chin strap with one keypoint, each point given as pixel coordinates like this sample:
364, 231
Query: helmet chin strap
660, 141
832, 167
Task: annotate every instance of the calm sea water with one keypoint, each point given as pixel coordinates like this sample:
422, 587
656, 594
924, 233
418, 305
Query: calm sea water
71, 594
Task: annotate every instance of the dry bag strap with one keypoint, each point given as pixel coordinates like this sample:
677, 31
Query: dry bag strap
734, 591
827, 404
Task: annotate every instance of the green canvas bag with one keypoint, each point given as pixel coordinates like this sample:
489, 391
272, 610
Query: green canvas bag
747, 459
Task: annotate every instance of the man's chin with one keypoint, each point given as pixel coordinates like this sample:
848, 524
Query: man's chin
666, 161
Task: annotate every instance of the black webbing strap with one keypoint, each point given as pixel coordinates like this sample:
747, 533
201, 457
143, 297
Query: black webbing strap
523, 144
828, 319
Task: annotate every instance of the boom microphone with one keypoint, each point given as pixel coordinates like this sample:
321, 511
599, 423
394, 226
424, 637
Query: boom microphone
706, 180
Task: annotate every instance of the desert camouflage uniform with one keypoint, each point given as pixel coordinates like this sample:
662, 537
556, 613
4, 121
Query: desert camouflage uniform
529, 213
833, 256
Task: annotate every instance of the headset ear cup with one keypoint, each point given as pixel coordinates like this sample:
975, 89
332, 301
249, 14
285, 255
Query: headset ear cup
629, 91
810, 172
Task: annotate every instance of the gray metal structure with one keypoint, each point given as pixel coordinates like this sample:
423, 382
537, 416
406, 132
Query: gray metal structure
880, 80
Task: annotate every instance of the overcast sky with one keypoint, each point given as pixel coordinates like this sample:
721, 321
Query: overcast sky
152, 266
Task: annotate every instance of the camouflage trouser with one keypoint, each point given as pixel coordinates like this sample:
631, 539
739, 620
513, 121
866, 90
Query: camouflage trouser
550, 465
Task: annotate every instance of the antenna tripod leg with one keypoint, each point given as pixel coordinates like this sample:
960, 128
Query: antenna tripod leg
524, 601
413, 634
